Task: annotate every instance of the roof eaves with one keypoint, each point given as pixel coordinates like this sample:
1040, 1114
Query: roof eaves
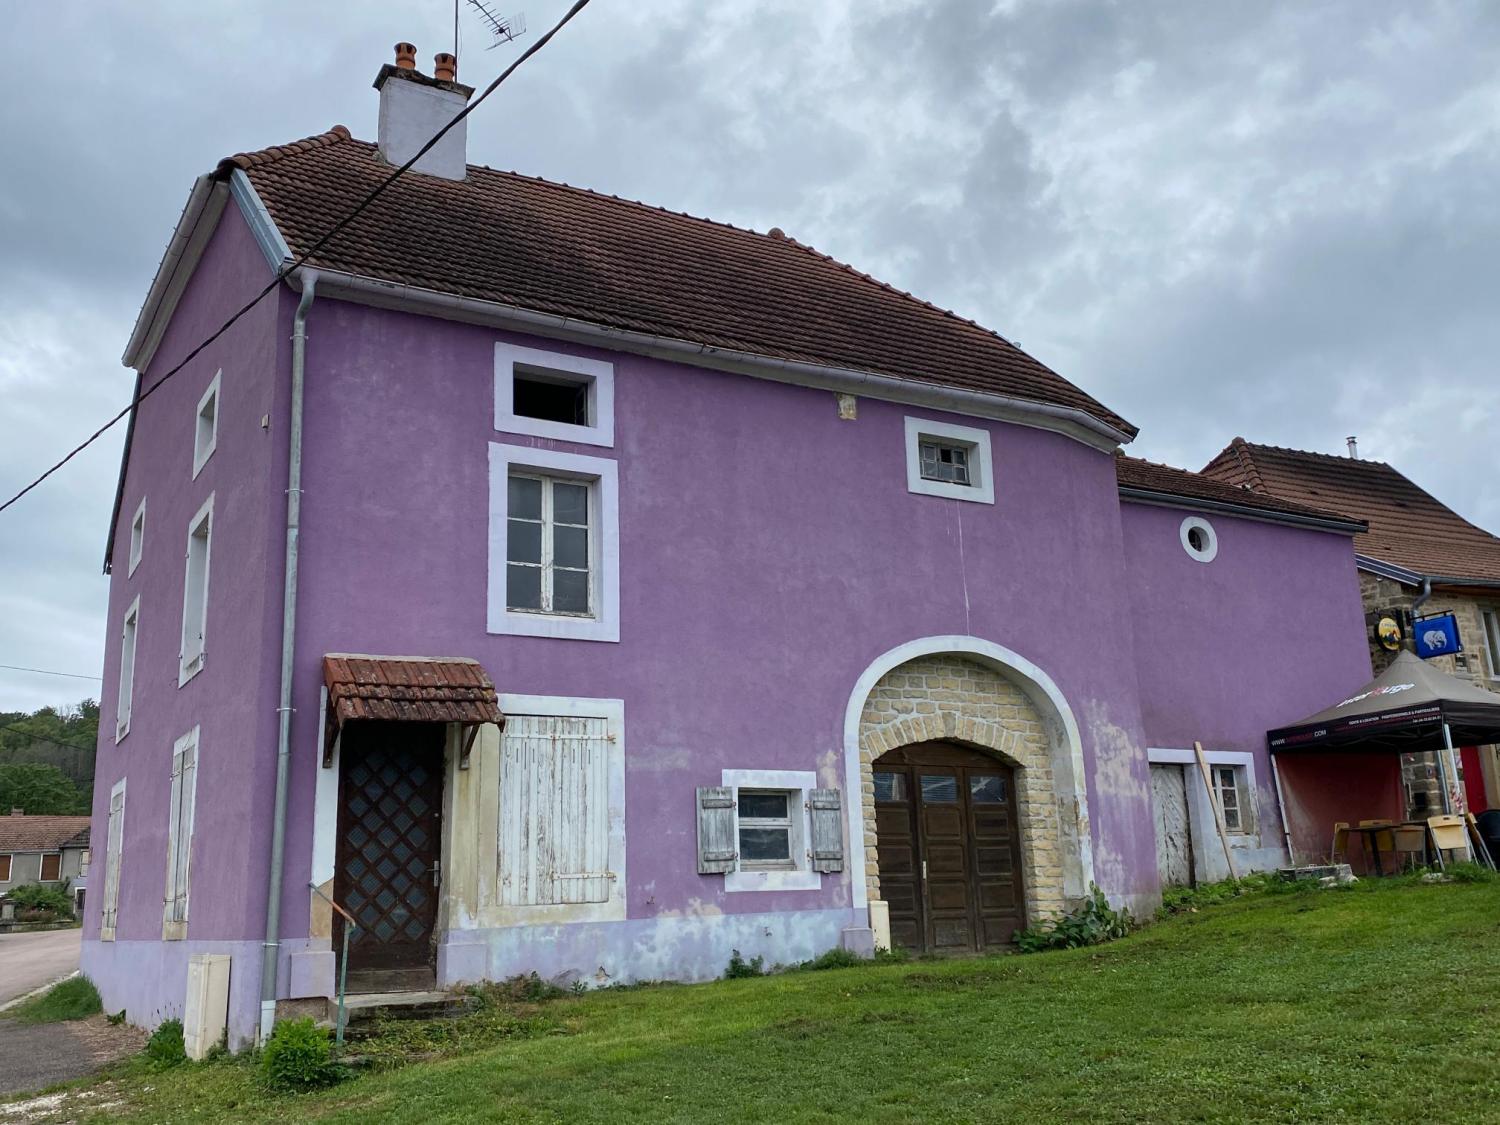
1165, 499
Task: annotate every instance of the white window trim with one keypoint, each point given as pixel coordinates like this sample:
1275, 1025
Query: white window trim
612, 711
604, 624
601, 376
1198, 523
130, 629
137, 537
187, 669
1198, 799
112, 886
176, 929
201, 456
981, 464
800, 783
1490, 619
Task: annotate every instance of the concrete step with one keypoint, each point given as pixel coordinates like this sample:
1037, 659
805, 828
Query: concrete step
364, 1011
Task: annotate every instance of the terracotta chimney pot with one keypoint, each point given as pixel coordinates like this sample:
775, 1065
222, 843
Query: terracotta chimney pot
445, 67
406, 56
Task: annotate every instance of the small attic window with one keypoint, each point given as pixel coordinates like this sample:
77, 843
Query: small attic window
1198, 539
206, 426
552, 396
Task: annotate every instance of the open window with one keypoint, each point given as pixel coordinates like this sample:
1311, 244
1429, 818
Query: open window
206, 426
554, 395
195, 594
951, 461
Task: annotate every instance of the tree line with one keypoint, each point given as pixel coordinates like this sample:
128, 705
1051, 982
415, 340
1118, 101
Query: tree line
47, 759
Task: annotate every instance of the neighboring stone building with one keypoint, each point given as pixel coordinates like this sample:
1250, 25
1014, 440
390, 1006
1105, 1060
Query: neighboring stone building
1414, 544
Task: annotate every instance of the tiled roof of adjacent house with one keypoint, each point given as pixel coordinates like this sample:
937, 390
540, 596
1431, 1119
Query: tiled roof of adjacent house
1148, 476
551, 248
412, 689
1408, 528
43, 833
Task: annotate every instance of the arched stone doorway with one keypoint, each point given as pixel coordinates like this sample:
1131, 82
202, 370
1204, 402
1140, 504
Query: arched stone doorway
991, 715
949, 847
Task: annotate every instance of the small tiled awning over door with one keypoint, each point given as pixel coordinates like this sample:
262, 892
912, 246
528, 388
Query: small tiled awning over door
408, 689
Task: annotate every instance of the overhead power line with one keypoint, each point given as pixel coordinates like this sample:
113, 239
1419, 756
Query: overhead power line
302, 258
45, 672
47, 738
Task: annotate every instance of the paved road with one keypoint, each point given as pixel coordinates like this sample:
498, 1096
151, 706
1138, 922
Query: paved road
28, 961
39, 1055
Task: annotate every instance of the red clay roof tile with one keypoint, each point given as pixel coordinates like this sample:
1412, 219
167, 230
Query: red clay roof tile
42, 833
409, 689
1408, 527
547, 247
1132, 472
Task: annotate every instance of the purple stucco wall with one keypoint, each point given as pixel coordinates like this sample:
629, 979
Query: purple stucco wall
229, 698
769, 553
1269, 630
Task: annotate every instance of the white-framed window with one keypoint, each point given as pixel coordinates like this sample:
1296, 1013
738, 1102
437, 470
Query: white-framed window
180, 835
51, 867
772, 831
1198, 539
127, 668
943, 459
5, 862
554, 395
114, 848
206, 426
1235, 802
562, 809
554, 544
137, 537
195, 593
1491, 618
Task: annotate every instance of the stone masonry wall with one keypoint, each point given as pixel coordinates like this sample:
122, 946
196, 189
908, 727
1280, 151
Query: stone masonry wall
948, 698
1382, 596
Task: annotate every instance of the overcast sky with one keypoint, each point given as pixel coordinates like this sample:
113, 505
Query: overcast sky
1274, 220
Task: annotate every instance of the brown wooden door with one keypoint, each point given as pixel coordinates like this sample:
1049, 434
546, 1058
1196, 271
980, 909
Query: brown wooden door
949, 848
386, 870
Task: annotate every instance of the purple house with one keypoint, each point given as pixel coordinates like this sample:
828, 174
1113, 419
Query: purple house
561, 584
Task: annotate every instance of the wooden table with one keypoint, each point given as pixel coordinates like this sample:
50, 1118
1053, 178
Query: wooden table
1369, 832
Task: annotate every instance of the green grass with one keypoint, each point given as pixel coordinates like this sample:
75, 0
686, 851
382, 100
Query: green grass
1371, 1003
73, 999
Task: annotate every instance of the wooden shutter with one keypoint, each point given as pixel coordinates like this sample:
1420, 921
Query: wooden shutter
174, 834
51, 867
116, 841
827, 830
188, 771
554, 811
717, 847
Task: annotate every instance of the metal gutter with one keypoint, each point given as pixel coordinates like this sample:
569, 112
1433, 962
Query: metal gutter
1414, 578
1069, 421
271, 947
262, 226
1241, 511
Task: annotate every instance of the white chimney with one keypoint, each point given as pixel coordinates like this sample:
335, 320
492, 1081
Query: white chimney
414, 107
1353, 446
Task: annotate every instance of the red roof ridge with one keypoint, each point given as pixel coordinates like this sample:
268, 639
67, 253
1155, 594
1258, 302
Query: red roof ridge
1341, 458
247, 160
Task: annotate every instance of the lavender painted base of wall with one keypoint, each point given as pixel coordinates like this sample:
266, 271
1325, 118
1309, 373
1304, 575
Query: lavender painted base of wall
147, 980
685, 948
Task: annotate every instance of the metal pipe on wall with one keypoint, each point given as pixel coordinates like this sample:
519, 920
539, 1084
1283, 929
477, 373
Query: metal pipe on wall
271, 947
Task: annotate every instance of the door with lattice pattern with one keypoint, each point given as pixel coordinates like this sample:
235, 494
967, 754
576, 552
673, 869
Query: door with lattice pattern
386, 876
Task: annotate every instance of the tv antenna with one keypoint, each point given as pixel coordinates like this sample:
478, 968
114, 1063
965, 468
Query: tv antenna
502, 28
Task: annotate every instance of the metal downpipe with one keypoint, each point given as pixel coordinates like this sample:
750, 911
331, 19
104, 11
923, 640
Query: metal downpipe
271, 947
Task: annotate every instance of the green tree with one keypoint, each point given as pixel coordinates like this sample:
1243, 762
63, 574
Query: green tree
39, 789
63, 738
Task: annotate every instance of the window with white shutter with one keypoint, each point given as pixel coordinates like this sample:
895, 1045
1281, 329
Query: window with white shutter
770, 830
180, 834
127, 669
562, 813
195, 594
115, 840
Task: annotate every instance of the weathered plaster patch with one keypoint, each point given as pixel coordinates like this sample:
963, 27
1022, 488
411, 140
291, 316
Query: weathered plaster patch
1119, 761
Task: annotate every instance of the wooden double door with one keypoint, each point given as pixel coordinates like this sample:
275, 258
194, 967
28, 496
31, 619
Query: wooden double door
389, 842
950, 850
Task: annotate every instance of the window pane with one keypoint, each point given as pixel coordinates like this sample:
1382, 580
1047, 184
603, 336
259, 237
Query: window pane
763, 805
765, 844
570, 503
525, 498
570, 591
890, 786
523, 542
987, 788
570, 546
939, 788
523, 587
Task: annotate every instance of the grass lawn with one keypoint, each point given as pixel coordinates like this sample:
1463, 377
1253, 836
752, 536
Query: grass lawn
1367, 1003
73, 999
